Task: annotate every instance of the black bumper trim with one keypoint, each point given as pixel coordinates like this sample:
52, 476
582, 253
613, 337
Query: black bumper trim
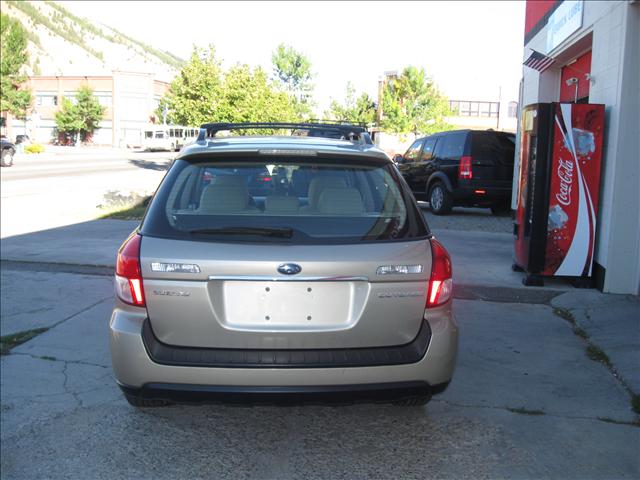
164, 354
323, 394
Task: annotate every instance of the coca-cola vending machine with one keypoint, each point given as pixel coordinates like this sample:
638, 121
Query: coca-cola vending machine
555, 220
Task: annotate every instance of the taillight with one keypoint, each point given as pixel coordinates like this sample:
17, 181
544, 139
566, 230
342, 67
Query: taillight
465, 170
440, 283
128, 272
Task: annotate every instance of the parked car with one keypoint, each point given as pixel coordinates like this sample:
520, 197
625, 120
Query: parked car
7, 152
23, 139
335, 291
470, 168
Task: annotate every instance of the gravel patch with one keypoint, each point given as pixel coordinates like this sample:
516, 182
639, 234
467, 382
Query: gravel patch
469, 219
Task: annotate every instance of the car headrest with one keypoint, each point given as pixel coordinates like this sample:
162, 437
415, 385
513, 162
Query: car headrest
281, 204
224, 198
318, 184
340, 201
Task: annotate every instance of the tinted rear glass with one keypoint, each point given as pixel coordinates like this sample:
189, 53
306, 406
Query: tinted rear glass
283, 200
492, 147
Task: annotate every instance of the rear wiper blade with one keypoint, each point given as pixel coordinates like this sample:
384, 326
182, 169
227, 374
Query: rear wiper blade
262, 231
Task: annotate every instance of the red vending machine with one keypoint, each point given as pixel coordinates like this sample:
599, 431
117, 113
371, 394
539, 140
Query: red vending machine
555, 220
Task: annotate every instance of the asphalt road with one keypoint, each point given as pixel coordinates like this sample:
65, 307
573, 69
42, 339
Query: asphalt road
525, 403
73, 185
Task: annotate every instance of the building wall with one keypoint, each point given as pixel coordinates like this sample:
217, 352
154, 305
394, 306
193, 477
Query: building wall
610, 31
129, 99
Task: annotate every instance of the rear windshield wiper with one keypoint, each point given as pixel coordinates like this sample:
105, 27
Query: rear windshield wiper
261, 231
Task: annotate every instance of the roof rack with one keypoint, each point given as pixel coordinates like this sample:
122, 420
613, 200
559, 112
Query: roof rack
327, 129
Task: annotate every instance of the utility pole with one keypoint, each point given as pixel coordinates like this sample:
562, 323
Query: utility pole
380, 93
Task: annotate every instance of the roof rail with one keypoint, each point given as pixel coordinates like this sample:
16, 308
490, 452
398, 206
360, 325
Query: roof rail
327, 128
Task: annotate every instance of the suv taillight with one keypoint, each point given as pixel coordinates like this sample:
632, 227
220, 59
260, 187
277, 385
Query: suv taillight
465, 170
128, 273
440, 283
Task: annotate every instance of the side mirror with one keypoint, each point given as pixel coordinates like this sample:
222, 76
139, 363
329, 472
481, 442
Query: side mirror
398, 158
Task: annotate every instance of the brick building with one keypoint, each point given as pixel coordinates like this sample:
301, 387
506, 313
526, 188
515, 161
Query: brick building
130, 99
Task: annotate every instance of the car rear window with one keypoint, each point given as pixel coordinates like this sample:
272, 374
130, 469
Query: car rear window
283, 200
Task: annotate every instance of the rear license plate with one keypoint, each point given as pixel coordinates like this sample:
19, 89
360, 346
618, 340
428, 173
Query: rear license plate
290, 305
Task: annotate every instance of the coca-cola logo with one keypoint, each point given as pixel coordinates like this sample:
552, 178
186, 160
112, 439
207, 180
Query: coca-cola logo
565, 174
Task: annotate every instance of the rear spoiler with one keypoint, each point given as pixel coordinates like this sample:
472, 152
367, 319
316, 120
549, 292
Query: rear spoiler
326, 129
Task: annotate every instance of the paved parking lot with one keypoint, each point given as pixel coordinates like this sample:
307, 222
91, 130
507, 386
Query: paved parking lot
468, 219
526, 402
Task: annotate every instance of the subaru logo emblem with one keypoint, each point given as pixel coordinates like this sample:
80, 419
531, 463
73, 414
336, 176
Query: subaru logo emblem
289, 268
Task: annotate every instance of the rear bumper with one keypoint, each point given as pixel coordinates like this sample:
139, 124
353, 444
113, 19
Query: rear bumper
136, 370
328, 394
164, 354
481, 195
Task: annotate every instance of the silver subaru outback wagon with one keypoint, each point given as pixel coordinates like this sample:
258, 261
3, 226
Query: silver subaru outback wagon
282, 268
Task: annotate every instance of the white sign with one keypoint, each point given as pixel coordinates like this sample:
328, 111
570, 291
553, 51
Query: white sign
563, 22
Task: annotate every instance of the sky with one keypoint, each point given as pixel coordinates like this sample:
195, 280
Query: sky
473, 50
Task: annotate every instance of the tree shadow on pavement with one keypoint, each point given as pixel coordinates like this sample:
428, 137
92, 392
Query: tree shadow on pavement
150, 164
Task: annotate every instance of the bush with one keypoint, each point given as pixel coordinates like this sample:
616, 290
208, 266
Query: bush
34, 148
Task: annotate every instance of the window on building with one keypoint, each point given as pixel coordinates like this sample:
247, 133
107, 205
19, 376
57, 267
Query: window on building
104, 98
513, 109
485, 109
454, 106
46, 99
494, 109
464, 109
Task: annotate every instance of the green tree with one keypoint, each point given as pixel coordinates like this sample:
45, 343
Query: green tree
247, 96
203, 92
13, 56
196, 93
81, 117
355, 110
293, 70
412, 103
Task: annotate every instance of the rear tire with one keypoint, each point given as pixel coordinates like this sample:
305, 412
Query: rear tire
440, 200
414, 401
140, 402
6, 158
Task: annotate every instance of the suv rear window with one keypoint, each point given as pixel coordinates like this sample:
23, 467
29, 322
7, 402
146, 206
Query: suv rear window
493, 146
293, 201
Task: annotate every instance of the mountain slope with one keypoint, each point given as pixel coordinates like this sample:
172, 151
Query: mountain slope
61, 43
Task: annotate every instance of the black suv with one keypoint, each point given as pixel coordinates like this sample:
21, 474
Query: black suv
471, 168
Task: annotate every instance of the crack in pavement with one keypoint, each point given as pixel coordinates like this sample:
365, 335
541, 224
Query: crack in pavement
54, 325
66, 389
53, 359
110, 297
541, 414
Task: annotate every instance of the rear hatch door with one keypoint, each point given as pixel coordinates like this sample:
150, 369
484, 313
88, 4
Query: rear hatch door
240, 300
492, 156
